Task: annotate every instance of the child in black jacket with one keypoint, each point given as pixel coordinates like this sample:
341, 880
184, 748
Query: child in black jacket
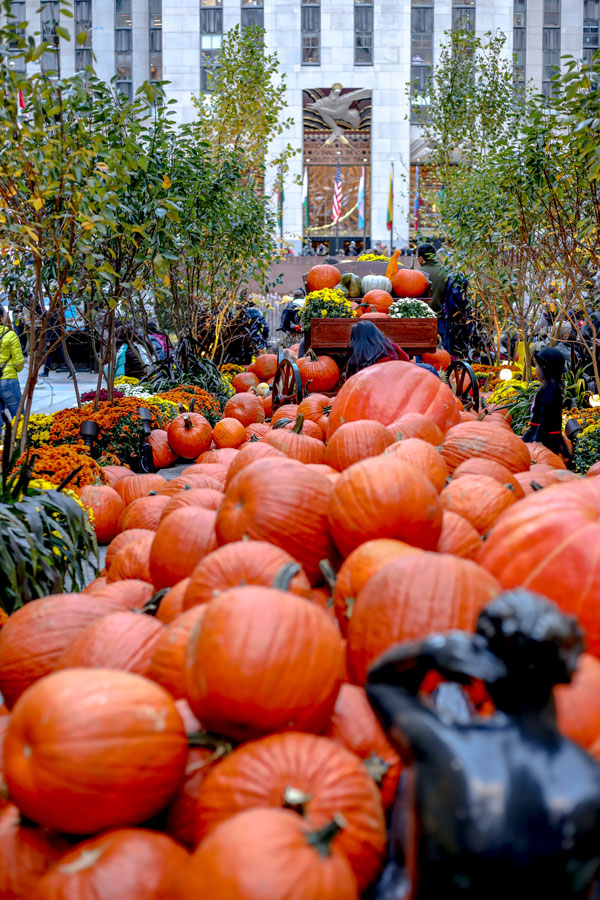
546, 411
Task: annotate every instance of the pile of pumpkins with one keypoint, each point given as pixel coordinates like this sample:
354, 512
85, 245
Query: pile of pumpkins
195, 723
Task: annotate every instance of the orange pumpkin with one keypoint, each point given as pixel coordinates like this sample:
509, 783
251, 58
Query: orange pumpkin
409, 283
538, 453
191, 479
221, 458
296, 445
189, 434
249, 453
263, 660
458, 537
26, 853
132, 561
132, 487
480, 466
392, 266
440, 359
422, 457
318, 373
593, 471
121, 540
99, 582
322, 276
171, 604
121, 640
106, 506
246, 408
314, 407
287, 411
181, 540
416, 425
206, 498
264, 366
144, 513
167, 658
357, 440
115, 473
379, 300
212, 468
577, 709
477, 498
243, 381
128, 594
543, 476
181, 820
308, 428
162, 455
257, 430
471, 439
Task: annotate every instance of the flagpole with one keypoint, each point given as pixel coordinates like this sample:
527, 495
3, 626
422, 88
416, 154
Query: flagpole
392, 215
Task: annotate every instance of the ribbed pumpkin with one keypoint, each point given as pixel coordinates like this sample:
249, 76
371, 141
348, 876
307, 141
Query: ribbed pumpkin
440, 359
189, 434
308, 428
132, 487
132, 561
257, 430
471, 439
249, 453
383, 497
26, 853
577, 708
389, 390
356, 570
409, 283
128, 594
106, 506
375, 283
171, 604
542, 476
222, 458
263, 660
314, 775
538, 453
264, 366
422, 457
162, 455
287, 411
166, 665
355, 441
314, 407
549, 543
123, 864
182, 539
239, 564
109, 750
115, 473
323, 469
35, 636
480, 466
318, 373
121, 540
458, 537
379, 300
355, 726
478, 499
416, 425
323, 276
206, 498
181, 819
121, 640
412, 597
229, 432
243, 381
99, 582
213, 469
190, 479
296, 445
593, 471
246, 408
267, 404
144, 513
283, 503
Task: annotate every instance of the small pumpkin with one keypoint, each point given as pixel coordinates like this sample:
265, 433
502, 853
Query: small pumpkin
204, 498
409, 283
189, 435
121, 540
287, 411
171, 604
246, 408
477, 498
308, 428
480, 466
320, 373
416, 425
229, 432
440, 359
115, 473
181, 540
249, 453
132, 487
353, 285
212, 468
162, 455
106, 506
458, 536
379, 300
376, 283
191, 478
132, 561
244, 381
423, 457
296, 445
355, 441
256, 431
322, 276
144, 513
264, 366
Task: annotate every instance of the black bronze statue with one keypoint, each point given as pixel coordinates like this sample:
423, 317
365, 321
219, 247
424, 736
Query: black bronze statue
500, 807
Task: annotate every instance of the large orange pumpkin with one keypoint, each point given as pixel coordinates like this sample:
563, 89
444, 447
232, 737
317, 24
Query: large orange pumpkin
121, 640
379, 300
162, 455
246, 408
256, 431
458, 537
384, 497
284, 503
296, 445
486, 439
410, 598
477, 498
314, 775
182, 539
189, 434
303, 426
239, 564
106, 506
421, 456
88, 749
229, 432
264, 366
549, 543
409, 283
133, 486
244, 381
132, 561
181, 820
478, 465
416, 425
249, 453
322, 276
320, 373
538, 453
144, 513
263, 660
26, 853
123, 864
355, 441
121, 540
168, 652
207, 498
577, 708
387, 391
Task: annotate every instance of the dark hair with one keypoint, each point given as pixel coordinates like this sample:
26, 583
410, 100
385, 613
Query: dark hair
552, 364
367, 345
427, 251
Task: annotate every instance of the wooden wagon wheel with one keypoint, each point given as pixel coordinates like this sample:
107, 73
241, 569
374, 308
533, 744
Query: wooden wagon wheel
463, 381
287, 384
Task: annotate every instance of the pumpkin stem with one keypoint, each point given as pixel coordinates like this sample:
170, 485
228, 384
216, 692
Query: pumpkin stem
285, 575
295, 799
150, 607
218, 745
328, 573
187, 421
281, 423
376, 767
326, 410
297, 429
253, 438
313, 355
536, 487
321, 839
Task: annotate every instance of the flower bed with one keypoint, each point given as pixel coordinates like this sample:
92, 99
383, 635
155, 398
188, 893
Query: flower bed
55, 463
410, 309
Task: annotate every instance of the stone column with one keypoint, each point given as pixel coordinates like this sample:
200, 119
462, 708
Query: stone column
535, 22
140, 39
571, 22
181, 54
103, 38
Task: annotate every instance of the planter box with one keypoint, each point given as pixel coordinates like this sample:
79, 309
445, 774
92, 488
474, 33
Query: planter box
415, 336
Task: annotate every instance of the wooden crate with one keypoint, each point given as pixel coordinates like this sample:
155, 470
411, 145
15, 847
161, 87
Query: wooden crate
415, 336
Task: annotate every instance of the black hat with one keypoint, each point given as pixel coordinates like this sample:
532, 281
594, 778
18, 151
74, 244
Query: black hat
551, 360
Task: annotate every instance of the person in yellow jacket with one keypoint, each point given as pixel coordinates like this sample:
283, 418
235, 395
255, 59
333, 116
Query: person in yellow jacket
11, 363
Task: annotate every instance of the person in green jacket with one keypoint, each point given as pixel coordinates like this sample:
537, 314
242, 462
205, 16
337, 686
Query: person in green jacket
11, 363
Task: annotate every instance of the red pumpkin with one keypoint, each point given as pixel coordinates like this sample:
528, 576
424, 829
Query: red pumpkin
26, 853
132, 561
314, 775
355, 441
132, 487
458, 537
249, 453
229, 432
206, 498
422, 457
162, 455
480, 466
189, 434
409, 283
182, 539
246, 408
106, 506
577, 709
322, 276
318, 373
387, 391
181, 820
485, 439
108, 750
115, 473
264, 366
239, 564
171, 604
144, 513
124, 864
167, 658
121, 640
538, 453
478, 499
121, 540
416, 425
263, 660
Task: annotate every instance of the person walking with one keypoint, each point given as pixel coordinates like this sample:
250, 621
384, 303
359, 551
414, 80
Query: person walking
11, 363
436, 291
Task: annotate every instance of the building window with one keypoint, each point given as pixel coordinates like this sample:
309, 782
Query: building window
211, 38
550, 44
463, 15
155, 39
253, 13
123, 44
83, 24
17, 17
421, 48
363, 32
519, 41
591, 17
311, 32
49, 19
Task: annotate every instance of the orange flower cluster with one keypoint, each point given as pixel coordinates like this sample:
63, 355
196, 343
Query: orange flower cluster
204, 403
56, 463
67, 422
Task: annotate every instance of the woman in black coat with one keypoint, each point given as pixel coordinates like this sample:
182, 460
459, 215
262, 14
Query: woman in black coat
546, 411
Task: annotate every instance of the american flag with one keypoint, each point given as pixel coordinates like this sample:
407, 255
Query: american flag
336, 210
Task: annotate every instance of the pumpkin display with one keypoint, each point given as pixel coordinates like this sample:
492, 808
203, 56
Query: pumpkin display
190, 479
115, 473
264, 366
171, 604
181, 819
144, 514
376, 283
356, 570
357, 440
477, 498
239, 564
318, 373
538, 453
132, 561
181, 540
296, 445
458, 537
416, 425
322, 276
121, 540
244, 381
577, 709
132, 487
355, 726
26, 853
162, 455
106, 506
249, 453
315, 776
283, 503
384, 497
440, 359
485, 439
379, 301
544, 543
388, 390
189, 435
409, 283
206, 498
229, 432
411, 597
109, 750
290, 654
478, 465
246, 408
422, 456
166, 663
122, 864
121, 640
